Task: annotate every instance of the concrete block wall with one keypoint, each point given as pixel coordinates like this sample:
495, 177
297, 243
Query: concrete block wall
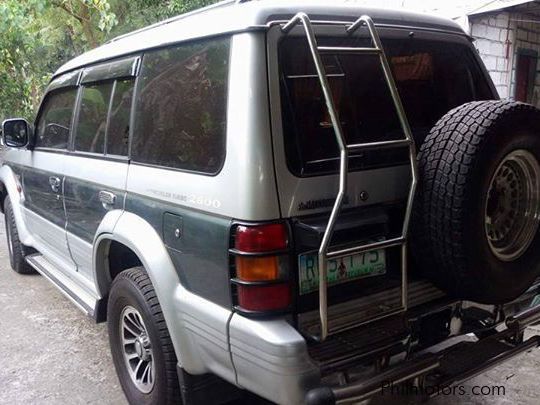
498, 36
527, 40
493, 38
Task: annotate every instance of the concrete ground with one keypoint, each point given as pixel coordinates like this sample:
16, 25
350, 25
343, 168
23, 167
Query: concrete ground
50, 353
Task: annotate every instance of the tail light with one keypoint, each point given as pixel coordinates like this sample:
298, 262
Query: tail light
261, 268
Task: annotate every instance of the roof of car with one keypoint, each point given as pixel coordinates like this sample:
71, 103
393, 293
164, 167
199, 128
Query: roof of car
236, 16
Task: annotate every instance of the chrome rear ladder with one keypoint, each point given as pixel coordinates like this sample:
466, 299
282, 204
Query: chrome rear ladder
344, 149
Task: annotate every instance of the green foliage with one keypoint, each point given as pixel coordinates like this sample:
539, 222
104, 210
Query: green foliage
20, 81
38, 36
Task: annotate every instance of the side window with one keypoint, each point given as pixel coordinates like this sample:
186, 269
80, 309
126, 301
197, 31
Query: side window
54, 123
118, 132
92, 120
180, 117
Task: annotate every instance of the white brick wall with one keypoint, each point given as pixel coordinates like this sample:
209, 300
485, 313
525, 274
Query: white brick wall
528, 40
498, 36
490, 33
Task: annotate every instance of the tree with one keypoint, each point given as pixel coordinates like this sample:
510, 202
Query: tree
38, 36
94, 17
21, 77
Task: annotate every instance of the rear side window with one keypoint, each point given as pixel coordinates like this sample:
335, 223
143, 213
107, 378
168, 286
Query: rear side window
118, 132
92, 120
54, 122
181, 109
103, 118
431, 77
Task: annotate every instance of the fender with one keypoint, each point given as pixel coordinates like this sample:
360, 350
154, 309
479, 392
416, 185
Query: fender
100, 264
12, 185
198, 328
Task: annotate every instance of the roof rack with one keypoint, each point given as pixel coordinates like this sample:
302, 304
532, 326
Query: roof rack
224, 3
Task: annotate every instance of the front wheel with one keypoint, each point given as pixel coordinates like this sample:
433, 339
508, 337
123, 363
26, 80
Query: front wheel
17, 251
141, 347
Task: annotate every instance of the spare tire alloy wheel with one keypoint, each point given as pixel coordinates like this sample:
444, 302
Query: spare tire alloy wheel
477, 210
513, 205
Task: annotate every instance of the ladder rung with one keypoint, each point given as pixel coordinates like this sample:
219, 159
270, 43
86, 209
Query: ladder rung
382, 144
346, 49
365, 248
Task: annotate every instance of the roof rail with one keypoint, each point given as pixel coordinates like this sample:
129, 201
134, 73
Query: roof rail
224, 3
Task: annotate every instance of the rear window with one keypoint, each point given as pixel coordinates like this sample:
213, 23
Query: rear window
432, 78
180, 117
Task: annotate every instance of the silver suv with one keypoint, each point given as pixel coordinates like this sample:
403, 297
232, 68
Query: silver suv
231, 190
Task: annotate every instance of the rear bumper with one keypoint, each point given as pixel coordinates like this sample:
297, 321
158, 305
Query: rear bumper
271, 359
431, 372
364, 389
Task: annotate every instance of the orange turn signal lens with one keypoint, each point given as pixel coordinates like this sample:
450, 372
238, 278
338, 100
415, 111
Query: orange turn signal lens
257, 268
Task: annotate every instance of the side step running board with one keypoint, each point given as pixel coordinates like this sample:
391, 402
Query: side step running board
80, 297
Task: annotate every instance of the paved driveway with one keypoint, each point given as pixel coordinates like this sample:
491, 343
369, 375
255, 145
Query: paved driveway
50, 353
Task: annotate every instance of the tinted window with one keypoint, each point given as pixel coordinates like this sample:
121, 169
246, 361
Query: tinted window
431, 77
181, 107
118, 133
92, 120
55, 119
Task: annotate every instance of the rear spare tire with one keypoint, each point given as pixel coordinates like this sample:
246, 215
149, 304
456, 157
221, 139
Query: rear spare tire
476, 215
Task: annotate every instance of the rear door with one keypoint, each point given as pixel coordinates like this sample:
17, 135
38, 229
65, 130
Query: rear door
97, 163
43, 179
434, 72
525, 75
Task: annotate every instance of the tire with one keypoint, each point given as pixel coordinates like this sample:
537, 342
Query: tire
16, 250
469, 211
132, 299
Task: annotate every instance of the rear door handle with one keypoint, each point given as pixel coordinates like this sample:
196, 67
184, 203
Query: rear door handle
55, 183
107, 198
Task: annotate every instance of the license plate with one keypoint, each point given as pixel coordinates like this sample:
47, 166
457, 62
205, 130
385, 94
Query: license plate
348, 268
